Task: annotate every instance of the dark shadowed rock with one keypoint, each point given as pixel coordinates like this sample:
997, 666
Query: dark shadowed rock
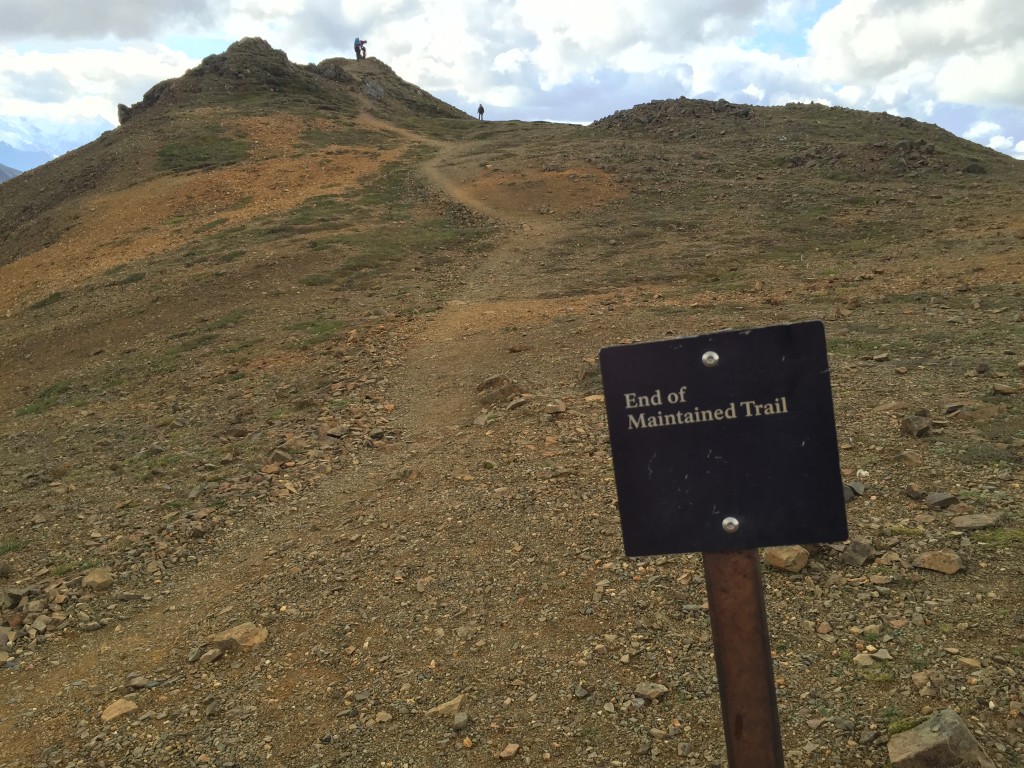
939, 500
857, 552
915, 426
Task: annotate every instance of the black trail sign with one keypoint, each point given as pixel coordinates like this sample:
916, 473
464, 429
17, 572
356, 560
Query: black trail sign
724, 441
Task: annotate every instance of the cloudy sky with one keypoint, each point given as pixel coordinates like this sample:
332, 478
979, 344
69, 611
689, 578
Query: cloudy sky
66, 64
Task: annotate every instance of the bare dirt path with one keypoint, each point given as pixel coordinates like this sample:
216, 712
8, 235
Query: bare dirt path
500, 321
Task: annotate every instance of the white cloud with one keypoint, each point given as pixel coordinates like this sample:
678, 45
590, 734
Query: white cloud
966, 51
78, 19
94, 80
511, 61
753, 91
1001, 143
982, 129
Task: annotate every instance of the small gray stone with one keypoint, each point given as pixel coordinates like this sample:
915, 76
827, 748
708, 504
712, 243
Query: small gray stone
978, 520
857, 487
650, 691
857, 552
843, 723
460, 721
939, 500
915, 426
211, 656
280, 456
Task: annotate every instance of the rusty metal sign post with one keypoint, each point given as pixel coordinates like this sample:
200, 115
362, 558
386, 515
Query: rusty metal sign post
743, 659
722, 444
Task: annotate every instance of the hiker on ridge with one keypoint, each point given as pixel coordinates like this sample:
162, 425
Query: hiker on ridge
360, 46
480, 112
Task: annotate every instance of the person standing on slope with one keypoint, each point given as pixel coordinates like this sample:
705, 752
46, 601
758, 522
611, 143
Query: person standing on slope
360, 46
480, 112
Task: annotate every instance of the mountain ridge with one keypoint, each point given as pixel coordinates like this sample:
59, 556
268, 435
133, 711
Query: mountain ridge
6, 172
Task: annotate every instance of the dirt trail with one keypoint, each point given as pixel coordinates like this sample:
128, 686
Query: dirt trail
499, 320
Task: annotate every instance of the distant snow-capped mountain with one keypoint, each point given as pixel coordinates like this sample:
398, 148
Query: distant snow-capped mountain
25, 144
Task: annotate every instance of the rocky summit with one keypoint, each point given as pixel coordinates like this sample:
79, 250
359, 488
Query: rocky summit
304, 458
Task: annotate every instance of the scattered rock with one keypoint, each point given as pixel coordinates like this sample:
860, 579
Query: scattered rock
280, 457
942, 740
790, 558
857, 552
243, 637
98, 580
118, 708
978, 520
209, 656
915, 426
497, 389
650, 691
938, 500
449, 707
944, 561
1003, 389
508, 752
982, 412
853, 488
915, 492
911, 458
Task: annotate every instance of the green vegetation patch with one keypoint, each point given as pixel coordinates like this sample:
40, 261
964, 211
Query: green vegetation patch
211, 225
208, 147
347, 136
47, 399
227, 321
315, 214
1000, 537
11, 545
317, 331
